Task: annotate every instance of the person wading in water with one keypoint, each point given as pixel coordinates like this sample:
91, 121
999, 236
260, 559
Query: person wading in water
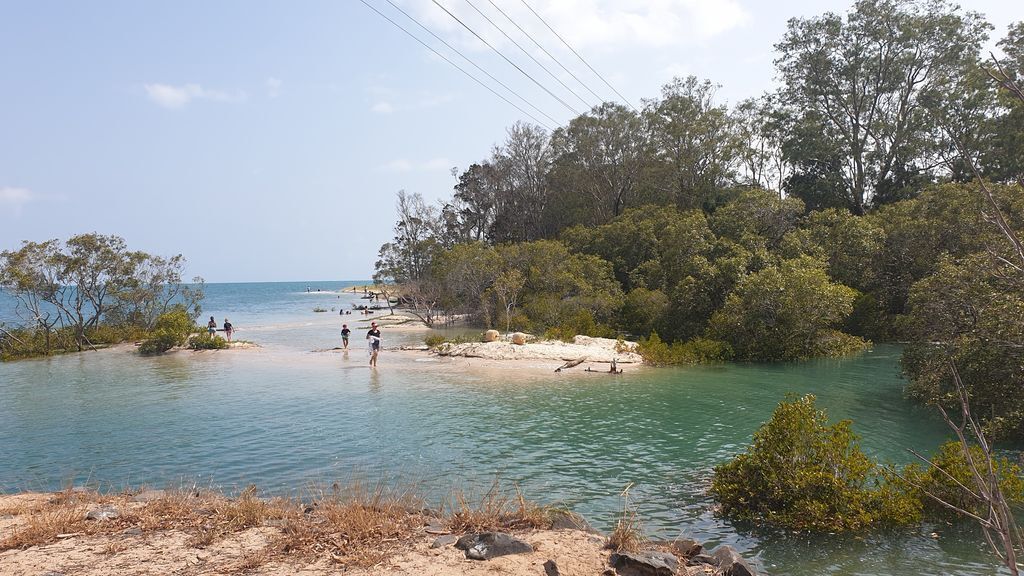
373, 336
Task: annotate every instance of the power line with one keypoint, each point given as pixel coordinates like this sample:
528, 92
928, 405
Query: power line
580, 57
513, 64
538, 45
445, 58
530, 56
467, 59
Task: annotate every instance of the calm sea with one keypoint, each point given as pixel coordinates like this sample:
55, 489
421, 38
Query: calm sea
294, 413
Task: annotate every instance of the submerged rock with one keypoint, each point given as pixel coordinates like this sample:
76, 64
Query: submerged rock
646, 563
686, 547
730, 563
566, 520
487, 545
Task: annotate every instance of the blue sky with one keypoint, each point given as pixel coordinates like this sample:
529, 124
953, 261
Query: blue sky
266, 140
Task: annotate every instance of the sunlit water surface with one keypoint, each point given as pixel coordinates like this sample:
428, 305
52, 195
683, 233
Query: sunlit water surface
293, 413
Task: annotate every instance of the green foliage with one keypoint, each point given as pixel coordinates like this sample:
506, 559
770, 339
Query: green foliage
203, 341
970, 311
757, 217
434, 340
787, 312
642, 310
160, 342
171, 329
801, 473
92, 288
694, 351
952, 460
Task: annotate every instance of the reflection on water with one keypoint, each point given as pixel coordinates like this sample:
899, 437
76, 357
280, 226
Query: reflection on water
281, 417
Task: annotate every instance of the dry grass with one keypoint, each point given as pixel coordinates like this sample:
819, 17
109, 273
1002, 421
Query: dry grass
628, 535
497, 509
353, 526
45, 525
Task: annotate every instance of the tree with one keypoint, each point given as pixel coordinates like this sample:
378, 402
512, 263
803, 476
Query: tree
599, 160
761, 126
694, 146
788, 312
92, 280
408, 256
867, 80
508, 286
1003, 160
32, 275
521, 165
473, 204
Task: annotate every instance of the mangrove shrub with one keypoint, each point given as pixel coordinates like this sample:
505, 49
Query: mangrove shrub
803, 474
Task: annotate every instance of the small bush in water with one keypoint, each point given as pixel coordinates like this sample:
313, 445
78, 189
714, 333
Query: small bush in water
695, 351
951, 459
802, 474
171, 329
207, 342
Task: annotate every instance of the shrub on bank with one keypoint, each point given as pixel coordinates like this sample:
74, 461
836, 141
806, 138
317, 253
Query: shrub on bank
204, 341
694, 351
803, 474
171, 329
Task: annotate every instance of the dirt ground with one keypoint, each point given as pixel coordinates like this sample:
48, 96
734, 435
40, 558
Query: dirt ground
114, 547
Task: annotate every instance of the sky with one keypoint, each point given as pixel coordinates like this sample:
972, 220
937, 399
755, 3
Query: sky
265, 141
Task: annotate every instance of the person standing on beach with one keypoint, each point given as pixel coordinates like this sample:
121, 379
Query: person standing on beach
373, 337
344, 335
228, 329
211, 327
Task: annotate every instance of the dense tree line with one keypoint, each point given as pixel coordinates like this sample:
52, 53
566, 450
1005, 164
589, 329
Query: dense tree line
844, 207
87, 290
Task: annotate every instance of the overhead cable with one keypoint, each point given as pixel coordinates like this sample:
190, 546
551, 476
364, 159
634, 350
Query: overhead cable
446, 59
608, 84
475, 65
544, 50
513, 64
530, 56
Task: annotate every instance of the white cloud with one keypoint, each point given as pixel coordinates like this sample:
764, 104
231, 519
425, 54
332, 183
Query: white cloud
674, 70
273, 87
597, 24
12, 200
404, 165
387, 100
170, 96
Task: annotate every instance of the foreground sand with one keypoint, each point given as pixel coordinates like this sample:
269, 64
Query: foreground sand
133, 545
80, 532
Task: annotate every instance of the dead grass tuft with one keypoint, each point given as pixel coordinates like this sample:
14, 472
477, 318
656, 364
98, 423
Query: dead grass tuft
355, 526
497, 509
46, 524
628, 535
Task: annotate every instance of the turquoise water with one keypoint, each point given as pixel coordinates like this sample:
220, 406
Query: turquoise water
291, 413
